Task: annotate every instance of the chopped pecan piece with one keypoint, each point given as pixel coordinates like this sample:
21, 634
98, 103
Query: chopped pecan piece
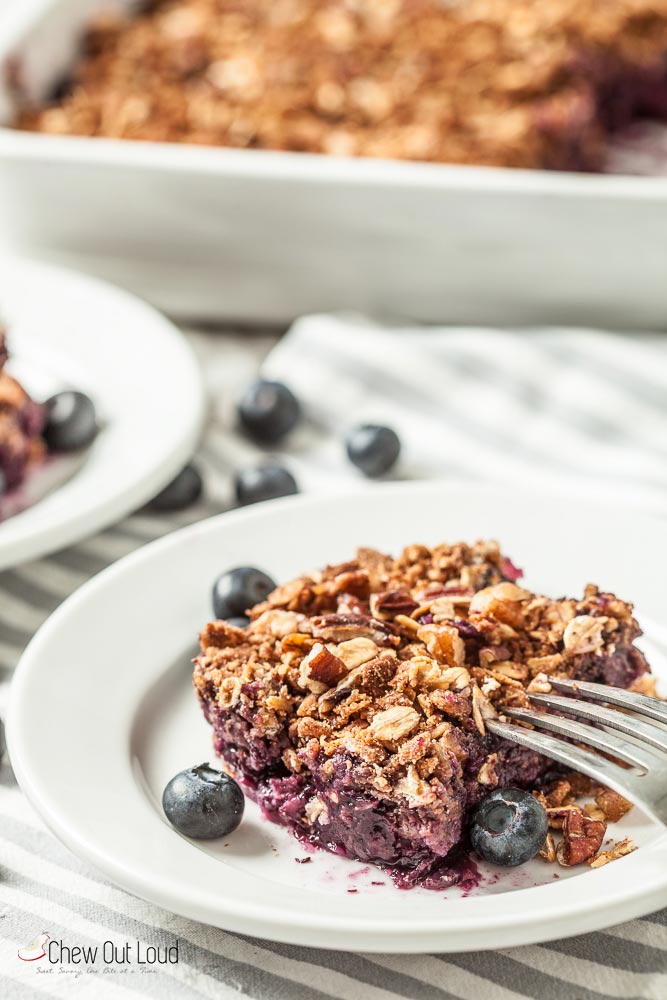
456, 678
407, 623
350, 604
582, 838
557, 794
339, 628
298, 641
580, 783
583, 634
489, 655
548, 849
371, 675
390, 603
613, 805
487, 773
619, 850
501, 602
556, 814
540, 684
594, 812
444, 643
353, 582
320, 670
278, 622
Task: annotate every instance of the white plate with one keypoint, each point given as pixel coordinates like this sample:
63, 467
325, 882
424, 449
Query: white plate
70, 331
96, 729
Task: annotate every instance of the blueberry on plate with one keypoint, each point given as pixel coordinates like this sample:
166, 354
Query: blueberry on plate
373, 449
239, 621
239, 589
184, 490
268, 411
70, 421
203, 803
509, 826
266, 482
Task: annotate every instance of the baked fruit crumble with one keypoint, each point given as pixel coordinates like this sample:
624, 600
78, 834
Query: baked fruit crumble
30, 431
517, 83
353, 706
21, 426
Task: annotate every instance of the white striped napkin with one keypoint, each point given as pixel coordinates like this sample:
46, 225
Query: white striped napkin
557, 409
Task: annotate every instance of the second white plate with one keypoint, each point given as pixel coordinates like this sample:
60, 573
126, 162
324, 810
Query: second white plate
97, 729
67, 331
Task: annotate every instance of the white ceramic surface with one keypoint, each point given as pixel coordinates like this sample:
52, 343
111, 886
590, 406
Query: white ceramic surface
96, 730
70, 331
234, 234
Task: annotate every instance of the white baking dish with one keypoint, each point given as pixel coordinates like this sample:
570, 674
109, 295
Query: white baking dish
228, 234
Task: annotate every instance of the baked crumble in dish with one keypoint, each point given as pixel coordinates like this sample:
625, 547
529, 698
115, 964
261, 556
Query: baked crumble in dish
353, 706
21, 424
516, 83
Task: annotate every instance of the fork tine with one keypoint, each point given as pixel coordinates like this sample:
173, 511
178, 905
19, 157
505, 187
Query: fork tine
596, 767
628, 724
652, 708
597, 738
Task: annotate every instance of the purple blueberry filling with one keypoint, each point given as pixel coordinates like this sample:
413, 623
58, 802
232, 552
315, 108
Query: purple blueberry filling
423, 847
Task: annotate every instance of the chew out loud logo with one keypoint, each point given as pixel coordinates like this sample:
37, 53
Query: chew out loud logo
56, 952
36, 949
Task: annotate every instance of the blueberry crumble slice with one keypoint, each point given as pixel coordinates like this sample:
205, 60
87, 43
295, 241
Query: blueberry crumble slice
353, 706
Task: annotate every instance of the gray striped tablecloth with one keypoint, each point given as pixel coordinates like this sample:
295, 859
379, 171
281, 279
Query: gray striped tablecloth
539, 407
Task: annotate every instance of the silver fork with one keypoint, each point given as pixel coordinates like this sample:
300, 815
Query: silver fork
625, 735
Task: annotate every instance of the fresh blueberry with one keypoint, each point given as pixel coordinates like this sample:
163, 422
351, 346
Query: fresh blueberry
70, 421
239, 589
509, 826
203, 803
265, 482
239, 621
181, 492
3, 745
268, 411
373, 449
